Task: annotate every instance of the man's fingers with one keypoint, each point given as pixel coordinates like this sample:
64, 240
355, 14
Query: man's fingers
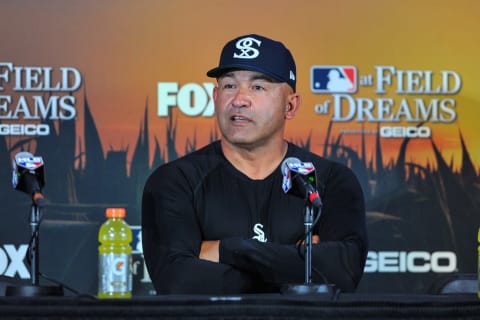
315, 240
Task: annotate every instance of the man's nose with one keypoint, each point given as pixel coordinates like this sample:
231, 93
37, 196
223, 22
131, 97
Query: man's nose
242, 98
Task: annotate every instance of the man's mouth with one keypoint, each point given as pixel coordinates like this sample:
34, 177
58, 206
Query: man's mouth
239, 119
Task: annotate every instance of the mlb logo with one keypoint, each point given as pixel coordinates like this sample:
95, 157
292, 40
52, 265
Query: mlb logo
137, 240
30, 163
303, 168
333, 79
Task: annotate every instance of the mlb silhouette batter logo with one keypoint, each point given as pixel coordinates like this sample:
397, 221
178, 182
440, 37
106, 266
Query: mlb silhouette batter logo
137, 239
333, 79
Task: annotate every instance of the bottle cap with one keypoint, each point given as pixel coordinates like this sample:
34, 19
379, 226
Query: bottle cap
115, 213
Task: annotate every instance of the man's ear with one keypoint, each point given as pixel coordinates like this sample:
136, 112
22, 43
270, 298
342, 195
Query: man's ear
293, 104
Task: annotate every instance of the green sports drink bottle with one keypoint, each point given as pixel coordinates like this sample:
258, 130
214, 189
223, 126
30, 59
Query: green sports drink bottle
115, 256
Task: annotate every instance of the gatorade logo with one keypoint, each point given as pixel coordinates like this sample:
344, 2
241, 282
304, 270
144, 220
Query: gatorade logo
119, 264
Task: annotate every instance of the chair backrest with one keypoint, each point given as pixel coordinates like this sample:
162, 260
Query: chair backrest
9, 281
456, 283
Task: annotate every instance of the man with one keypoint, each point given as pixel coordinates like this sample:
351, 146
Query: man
217, 221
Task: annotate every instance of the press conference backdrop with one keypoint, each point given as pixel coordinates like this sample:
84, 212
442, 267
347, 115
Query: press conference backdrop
106, 91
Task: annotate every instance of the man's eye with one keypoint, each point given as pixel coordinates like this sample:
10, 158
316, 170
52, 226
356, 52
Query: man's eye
257, 88
228, 86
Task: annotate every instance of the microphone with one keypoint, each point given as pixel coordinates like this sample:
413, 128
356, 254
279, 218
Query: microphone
299, 180
28, 175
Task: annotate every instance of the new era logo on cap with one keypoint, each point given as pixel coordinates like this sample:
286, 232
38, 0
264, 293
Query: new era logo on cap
292, 75
257, 53
333, 79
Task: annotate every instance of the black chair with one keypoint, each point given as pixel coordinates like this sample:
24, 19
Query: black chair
455, 283
9, 281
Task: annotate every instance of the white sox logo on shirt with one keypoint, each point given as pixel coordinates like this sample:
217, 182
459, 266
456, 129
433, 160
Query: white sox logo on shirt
245, 46
260, 235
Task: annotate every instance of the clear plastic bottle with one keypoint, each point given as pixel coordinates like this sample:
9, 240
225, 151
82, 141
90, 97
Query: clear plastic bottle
115, 256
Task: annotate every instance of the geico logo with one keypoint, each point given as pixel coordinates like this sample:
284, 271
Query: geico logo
16, 257
405, 132
413, 261
24, 129
192, 99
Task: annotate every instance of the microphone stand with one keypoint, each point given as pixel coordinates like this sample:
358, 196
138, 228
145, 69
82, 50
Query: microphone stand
308, 287
308, 221
35, 289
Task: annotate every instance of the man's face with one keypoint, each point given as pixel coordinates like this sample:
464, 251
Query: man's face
250, 107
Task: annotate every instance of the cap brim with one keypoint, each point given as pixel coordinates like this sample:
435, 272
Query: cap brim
218, 71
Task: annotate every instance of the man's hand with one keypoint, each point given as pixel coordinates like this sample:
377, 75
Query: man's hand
210, 250
315, 240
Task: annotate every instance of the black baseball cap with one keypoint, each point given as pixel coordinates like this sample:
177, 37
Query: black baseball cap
257, 53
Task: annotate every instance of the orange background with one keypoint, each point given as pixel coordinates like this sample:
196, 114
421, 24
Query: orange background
124, 48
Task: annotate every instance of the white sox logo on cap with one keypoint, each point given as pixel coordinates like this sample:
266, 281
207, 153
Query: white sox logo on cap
247, 51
